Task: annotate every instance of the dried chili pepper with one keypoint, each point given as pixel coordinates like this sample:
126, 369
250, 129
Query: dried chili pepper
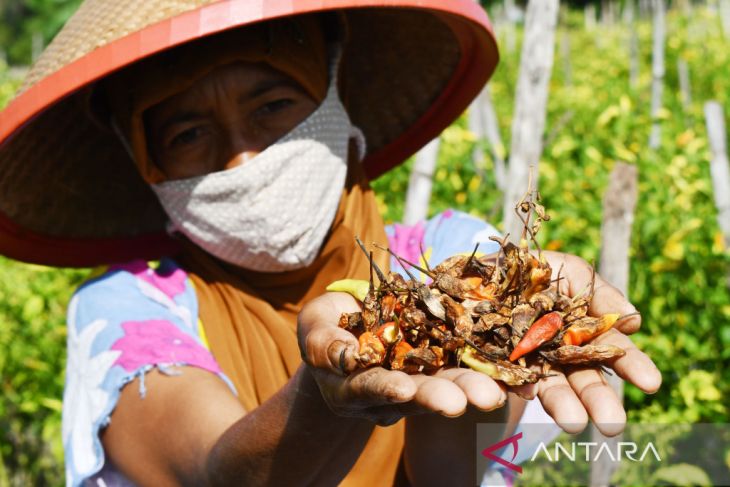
389, 333
483, 312
585, 329
588, 354
372, 350
399, 355
539, 333
507, 372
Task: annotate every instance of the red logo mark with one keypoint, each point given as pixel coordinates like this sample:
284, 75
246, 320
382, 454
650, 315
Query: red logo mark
488, 452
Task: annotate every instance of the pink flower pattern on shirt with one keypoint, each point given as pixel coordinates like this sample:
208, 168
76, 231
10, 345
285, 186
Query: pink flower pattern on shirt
171, 284
155, 342
407, 240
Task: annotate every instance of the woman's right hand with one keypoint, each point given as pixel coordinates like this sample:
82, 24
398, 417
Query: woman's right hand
380, 395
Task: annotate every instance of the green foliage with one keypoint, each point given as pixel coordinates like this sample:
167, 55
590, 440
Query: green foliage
22, 21
32, 348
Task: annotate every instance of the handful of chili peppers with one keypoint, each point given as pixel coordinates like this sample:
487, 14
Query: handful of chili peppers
501, 315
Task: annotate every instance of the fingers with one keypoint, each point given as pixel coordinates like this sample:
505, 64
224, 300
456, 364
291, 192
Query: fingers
561, 403
324, 344
333, 349
439, 395
635, 366
480, 390
608, 299
599, 400
377, 386
578, 276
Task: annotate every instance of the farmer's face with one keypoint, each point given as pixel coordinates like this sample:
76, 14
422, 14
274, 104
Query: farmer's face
224, 119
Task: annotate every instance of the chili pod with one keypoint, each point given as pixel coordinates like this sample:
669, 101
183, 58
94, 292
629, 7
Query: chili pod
372, 350
585, 329
540, 332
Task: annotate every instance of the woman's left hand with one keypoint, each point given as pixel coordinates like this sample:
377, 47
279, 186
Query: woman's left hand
570, 397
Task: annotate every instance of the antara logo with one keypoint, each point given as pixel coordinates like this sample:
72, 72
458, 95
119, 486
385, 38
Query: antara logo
489, 452
623, 450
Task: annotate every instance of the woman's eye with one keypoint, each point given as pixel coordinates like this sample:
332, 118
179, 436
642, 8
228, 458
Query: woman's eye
275, 106
187, 136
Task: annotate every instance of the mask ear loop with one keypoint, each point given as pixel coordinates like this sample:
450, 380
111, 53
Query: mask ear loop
360, 142
125, 143
170, 227
355, 132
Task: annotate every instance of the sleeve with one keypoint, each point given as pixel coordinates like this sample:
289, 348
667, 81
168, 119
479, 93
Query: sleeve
447, 233
120, 325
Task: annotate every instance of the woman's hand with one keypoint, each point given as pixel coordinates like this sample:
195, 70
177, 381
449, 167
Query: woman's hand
380, 395
571, 397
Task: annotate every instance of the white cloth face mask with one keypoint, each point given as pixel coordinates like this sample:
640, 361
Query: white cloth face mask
273, 212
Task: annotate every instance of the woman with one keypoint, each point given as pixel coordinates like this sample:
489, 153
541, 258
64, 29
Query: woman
190, 371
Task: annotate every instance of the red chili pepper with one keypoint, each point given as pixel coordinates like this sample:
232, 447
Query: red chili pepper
540, 332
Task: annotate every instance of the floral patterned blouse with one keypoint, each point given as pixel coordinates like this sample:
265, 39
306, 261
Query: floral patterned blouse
139, 316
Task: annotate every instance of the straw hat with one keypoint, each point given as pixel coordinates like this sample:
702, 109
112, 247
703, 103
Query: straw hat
71, 196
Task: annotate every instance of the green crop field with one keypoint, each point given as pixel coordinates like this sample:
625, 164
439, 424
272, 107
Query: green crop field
679, 264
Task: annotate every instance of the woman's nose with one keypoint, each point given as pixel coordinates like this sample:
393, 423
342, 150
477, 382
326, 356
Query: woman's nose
241, 158
243, 145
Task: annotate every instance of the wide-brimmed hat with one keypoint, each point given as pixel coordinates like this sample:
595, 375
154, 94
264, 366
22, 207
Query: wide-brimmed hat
70, 194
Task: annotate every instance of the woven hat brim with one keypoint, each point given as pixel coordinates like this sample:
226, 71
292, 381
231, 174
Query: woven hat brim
52, 241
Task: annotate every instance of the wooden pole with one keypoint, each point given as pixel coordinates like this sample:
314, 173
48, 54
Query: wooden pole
37, 45
589, 16
725, 17
528, 124
627, 14
482, 120
565, 54
657, 71
719, 166
685, 90
619, 203
644, 8
420, 183
629, 18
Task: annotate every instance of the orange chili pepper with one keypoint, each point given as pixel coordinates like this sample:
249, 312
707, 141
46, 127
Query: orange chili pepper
587, 328
389, 333
372, 350
399, 354
481, 292
540, 332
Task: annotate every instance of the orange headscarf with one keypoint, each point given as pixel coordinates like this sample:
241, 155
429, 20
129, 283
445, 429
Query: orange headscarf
250, 317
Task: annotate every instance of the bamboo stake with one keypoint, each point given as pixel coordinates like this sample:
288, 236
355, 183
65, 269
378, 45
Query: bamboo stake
657, 71
528, 125
619, 203
565, 54
719, 166
644, 8
627, 14
589, 16
629, 18
482, 120
725, 17
420, 183
685, 90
